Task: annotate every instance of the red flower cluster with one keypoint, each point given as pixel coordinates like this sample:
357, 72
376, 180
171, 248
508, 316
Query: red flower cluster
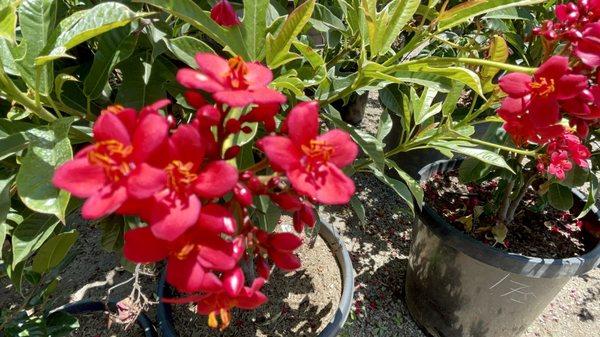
536, 105
180, 180
577, 24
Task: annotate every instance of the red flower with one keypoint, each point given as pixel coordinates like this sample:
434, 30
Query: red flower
115, 168
588, 47
313, 162
224, 14
564, 151
221, 303
541, 93
559, 164
280, 247
234, 82
523, 126
177, 207
190, 259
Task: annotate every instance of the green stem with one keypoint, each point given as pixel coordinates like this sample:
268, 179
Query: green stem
472, 61
497, 146
14, 93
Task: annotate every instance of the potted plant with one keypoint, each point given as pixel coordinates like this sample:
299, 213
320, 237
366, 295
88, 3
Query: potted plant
494, 246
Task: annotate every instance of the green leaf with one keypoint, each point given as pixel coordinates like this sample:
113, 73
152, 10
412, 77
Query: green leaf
8, 20
5, 185
114, 47
254, 26
37, 19
359, 209
59, 82
54, 251
399, 187
12, 144
268, 214
462, 75
31, 234
413, 185
499, 53
485, 156
113, 228
186, 48
193, 14
469, 9
392, 19
560, 197
143, 82
50, 147
385, 125
60, 324
84, 25
591, 196
278, 46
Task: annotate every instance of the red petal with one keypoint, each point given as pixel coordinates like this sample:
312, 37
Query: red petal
216, 253
233, 281
216, 179
79, 177
281, 151
234, 98
193, 79
188, 275
109, 127
196, 100
154, 108
554, 68
141, 246
186, 145
285, 241
570, 86
515, 84
258, 75
334, 188
145, 180
150, 134
303, 123
104, 202
286, 201
172, 217
224, 14
217, 219
284, 260
252, 302
345, 149
268, 96
213, 66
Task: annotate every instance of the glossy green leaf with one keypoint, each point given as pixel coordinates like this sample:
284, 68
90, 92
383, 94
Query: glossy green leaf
254, 26
560, 197
268, 214
392, 20
49, 148
60, 324
113, 228
114, 47
399, 187
186, 48
485, 156
359, 209
591, 196
469, 9
53, 251
413, 185
4, 208
31, 235
459, 74
278, 46
143, 83
498, 52
84, 25
59, 82
8, 20
193, 14
385, 125
12, 144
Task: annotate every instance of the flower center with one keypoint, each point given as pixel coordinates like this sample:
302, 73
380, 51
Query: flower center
225, 317
237, 73
113, 156
114, 109
317, 152
543, 87
183, 253
180, 175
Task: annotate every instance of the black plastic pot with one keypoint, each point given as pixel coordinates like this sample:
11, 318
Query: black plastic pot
335, 243
84, 307
458, 286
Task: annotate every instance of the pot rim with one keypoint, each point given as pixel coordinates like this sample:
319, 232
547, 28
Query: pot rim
511, 262
335, 243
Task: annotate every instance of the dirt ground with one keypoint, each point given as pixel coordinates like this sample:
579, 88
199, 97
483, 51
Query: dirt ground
379, 249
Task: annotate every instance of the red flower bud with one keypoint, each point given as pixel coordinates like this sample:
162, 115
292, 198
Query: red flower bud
242, 195
195, 99
208, 115
231, 152
287, 202
256, 186
224, 14
232, 126
262, 267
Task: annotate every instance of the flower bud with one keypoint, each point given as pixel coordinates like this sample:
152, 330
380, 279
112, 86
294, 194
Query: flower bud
195, 99
232, 126
231, 152
242, 195
224, 14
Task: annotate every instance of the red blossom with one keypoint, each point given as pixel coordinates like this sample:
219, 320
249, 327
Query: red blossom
224, 14
116, 167
313, 162
233, 82
588, 47
280, 248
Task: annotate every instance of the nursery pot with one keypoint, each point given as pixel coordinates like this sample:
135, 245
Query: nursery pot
84, 307
338, 249
458, 286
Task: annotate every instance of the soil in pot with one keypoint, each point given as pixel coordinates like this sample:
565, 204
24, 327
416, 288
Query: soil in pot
301, 303
536, 230
95, 324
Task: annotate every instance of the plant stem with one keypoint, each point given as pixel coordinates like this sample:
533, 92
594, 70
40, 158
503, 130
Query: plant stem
504, 206
514, 205
497, 146
472, 61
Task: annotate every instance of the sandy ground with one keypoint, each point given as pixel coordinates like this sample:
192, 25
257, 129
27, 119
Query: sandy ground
379, 250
